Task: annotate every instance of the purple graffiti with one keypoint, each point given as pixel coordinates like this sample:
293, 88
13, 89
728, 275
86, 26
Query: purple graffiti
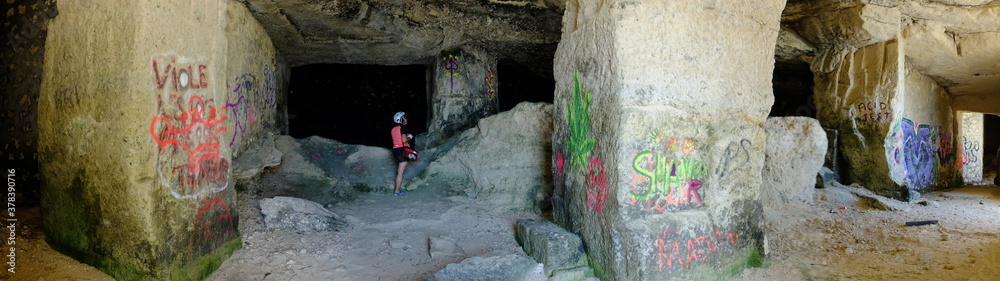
451, 64
239, 104
918, 153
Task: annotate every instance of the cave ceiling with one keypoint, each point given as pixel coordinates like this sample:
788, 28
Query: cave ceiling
954, 42
401, 32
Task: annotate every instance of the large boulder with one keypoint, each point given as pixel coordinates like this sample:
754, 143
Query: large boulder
796, 149
297, 214
551, 245
504, 161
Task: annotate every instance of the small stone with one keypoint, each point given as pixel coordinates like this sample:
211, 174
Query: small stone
302, 252
849, 250
949, 267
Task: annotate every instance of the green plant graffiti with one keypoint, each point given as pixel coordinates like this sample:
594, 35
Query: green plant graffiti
578, 115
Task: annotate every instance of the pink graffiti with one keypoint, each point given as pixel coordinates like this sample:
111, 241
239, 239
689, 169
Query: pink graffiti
673, 251
597, 185
194, 133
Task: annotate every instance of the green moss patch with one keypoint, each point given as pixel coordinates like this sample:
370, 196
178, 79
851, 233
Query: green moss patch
205, 265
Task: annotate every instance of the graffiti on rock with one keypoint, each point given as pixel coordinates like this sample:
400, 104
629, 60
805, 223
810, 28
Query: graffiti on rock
269, 91
670, 176
873, 111
676, 251
918, 153
970, 151
597, 185
181, 77
190, 159
735, 157
491, 83
215, 224
239, 100
578, 115
945, 150
189, 155
451, 65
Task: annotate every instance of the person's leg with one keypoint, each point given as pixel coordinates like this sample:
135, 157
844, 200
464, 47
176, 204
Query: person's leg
399, 175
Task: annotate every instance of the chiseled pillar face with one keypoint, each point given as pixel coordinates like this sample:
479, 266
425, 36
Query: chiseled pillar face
143, 110
464, 90
659, 141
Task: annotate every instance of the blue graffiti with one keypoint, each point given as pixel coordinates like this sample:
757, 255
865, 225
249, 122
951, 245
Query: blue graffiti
918, 153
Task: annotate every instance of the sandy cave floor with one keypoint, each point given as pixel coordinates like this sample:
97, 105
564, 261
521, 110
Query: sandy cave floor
388, 240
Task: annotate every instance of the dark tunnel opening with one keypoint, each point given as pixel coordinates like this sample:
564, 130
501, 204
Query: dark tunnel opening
517, 83
793, 90
354, 104
991, 146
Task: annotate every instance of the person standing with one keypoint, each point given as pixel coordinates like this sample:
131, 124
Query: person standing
400, 142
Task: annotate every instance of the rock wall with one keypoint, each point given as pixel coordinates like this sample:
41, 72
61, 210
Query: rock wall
880, 104
862, 106
463, 91
920, 146
143, 107
659, 140
970, 146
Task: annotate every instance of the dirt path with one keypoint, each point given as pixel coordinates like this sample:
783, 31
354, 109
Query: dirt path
388, 240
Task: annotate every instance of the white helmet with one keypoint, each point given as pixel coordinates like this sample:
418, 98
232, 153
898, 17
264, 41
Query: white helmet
398, 117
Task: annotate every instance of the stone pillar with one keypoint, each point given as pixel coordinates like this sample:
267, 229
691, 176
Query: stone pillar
143, 107
862, 106
464, 90
896, 126
970, 133
659, 140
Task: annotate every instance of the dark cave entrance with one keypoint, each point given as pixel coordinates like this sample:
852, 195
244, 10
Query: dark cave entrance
354, 104
793, 90
991, 146
517, 83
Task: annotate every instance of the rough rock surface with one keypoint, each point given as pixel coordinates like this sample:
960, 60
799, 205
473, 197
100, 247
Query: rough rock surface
511, 267
503, 162
945, 40
796, 149
394, 32
551, 245
257, 156
444, 247
302, 215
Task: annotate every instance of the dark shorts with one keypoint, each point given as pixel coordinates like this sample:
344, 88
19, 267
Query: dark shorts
397, 153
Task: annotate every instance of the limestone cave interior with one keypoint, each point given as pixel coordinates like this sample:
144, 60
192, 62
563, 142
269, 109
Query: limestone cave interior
558, 139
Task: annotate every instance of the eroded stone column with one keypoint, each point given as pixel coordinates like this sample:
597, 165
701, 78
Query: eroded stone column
143, 107
464, 91
659, 141
970, 142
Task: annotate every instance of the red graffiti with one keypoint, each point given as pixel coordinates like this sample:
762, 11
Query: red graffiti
597, 185
181, 78
215, 223
192, 135
560, 162
672, 251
